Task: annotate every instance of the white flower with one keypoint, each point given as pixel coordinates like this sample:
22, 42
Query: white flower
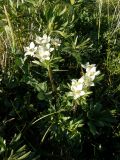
77, 88
91, 71
38, 39
78, 94
30, 50
46, 39
56, 42
88, 81
47, 47
43, 40
88, 66
44, 48
43, 53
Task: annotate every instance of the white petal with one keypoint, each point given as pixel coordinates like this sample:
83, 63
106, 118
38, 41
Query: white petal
48, 38
51, 49
40, 48
83, 66
93, 69
45, 36
76, 96
26, 49
32, 45
73, 80
38, 39
73, 88
92, 77
97, 73
47, 58
92, 84
87, 63
48, 45
82, 93
35, 49
47, 53
79, 87
81, 80
44, 41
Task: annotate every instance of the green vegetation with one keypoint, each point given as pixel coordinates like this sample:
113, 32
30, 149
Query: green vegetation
53, 103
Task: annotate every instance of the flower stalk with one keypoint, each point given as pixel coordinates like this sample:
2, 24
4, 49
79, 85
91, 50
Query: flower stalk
50, 74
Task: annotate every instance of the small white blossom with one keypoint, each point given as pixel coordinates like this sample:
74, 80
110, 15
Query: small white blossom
88, 66
78, 94
46, 39
43, 54
77, 88
38, 40
93, 73
56, 42
30, 50
44, 48
43, 40
88, 82
91, 70
51, 49
47, 47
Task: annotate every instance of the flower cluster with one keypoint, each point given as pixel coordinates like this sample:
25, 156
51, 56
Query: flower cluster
80, 87
42, 50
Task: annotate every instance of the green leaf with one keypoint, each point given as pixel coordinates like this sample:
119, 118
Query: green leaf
16, 138
72, 1
2, 145
19, 61
41, 96
21, 149
92, 128
63, 11
24, 156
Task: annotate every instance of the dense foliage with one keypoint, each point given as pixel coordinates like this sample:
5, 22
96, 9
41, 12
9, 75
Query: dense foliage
59, 79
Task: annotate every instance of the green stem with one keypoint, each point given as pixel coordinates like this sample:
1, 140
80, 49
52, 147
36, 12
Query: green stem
74, 106
53, 113
51, 79
46, 133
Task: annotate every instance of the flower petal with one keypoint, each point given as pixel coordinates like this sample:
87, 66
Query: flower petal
32, 45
